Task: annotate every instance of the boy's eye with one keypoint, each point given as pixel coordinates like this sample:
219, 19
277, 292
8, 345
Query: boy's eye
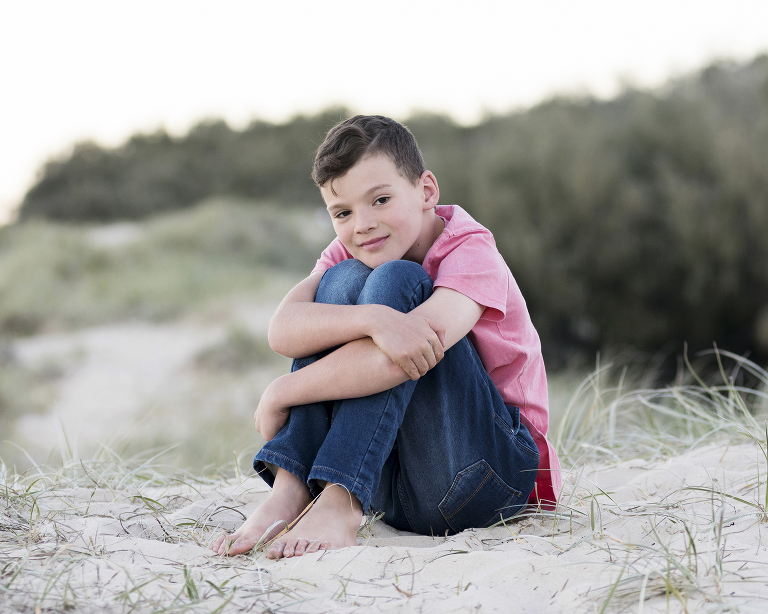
383, 200
341, 215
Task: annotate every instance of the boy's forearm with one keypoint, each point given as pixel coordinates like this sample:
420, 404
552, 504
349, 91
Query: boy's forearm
357, 369
305, 328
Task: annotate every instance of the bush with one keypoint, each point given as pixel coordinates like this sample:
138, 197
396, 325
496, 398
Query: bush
640, 221
55, 275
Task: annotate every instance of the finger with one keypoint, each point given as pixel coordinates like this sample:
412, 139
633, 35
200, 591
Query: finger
435, 351
437, 344
410, 369
430, 358
438, 350
422, 365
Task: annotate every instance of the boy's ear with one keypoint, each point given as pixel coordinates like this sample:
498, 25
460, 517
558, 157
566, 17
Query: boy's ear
428, 184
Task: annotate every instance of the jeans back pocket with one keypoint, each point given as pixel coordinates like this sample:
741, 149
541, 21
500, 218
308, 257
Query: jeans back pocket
478, 497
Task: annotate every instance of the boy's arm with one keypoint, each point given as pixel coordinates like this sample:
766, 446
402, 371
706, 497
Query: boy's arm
302, 327
360, 368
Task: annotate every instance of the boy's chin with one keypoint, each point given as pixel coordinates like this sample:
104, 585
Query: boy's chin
372, 263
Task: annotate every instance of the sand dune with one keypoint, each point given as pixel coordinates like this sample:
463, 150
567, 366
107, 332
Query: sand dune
680, 535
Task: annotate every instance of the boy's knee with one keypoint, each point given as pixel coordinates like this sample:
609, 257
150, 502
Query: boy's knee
342, 283
400, 284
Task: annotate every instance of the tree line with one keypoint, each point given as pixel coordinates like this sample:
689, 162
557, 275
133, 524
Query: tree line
640, 221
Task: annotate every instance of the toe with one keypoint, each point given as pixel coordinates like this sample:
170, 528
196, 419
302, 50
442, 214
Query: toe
241, 546
216, 543
234, 547
290, 548
276, 550
225, 545
301, 547
314, 546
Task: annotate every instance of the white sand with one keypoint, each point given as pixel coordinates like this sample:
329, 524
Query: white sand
105, 550
116, 374
114, 371
686, 534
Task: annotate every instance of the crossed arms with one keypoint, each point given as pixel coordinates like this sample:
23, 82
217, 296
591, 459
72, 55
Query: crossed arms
378, 347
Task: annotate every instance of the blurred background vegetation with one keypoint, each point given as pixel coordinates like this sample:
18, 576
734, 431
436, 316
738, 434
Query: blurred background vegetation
637, 224
57, 275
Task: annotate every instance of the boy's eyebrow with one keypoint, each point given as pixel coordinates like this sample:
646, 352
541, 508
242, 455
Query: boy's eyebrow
376, 188
368, 192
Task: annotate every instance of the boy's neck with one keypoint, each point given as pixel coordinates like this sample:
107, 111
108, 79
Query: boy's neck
432, 228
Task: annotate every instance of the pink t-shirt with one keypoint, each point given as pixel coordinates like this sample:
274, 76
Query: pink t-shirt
464, 258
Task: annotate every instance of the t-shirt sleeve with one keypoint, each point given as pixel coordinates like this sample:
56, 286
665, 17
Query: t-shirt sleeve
473, 266
331, 256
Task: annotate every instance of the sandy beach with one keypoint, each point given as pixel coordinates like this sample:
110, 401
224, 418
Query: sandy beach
680, 535
663, 509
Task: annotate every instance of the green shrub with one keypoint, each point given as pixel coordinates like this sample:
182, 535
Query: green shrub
58, 275
639, 221
240, 352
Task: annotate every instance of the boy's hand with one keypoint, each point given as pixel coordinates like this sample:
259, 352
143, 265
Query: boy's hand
409, 340
271, 414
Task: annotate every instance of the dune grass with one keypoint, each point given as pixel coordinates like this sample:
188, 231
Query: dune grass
24, 388
687, 552
189, 264
28, 537
57, 276
611, 416
608, 422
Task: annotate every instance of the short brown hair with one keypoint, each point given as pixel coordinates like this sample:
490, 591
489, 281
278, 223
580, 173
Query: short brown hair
364, 135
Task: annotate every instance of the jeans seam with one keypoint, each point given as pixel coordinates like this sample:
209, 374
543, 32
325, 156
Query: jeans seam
404, 502
526, 450
512, 492
356, 478
470, 497
520, 446
419, 285
456, 481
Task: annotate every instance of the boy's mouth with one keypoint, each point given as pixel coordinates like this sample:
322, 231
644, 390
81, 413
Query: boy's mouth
372, 244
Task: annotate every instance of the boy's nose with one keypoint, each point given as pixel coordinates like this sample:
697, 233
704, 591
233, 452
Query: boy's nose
364, 222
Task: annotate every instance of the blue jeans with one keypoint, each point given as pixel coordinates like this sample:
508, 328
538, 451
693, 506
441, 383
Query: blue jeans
436, 455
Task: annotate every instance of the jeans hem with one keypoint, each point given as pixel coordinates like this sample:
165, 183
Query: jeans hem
331, 476
281, 461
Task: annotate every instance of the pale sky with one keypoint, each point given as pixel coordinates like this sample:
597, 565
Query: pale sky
97, 69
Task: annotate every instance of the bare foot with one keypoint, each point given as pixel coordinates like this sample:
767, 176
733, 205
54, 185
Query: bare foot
288, 499
331, 523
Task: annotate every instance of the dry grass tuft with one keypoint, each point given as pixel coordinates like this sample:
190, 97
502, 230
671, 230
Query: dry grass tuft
663, 510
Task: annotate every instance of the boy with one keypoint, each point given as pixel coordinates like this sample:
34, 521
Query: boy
418, 387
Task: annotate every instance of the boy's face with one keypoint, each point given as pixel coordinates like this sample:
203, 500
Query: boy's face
379, 215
